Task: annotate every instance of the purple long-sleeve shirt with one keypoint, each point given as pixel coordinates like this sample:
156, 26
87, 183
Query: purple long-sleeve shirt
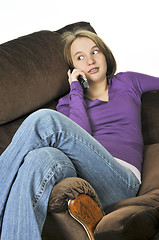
116, 124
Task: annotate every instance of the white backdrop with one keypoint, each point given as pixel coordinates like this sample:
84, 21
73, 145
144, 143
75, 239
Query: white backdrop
129, 27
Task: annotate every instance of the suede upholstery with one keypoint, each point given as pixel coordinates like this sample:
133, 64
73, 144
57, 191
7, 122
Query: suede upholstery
33, 75
136, 218
70, 188
28, 67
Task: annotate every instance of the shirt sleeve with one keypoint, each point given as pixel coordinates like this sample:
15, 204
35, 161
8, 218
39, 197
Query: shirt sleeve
142, 82
74, 106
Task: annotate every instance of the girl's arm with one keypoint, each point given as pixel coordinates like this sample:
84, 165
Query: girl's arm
141, 82
74, 106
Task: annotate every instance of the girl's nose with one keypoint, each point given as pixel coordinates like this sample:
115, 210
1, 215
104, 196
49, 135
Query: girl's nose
90, 60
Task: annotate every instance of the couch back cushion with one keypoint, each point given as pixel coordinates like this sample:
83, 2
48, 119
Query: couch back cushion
33, 75
150, 117
32, 70
150, 173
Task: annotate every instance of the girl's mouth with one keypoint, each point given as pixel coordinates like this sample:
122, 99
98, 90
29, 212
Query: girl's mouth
93, 70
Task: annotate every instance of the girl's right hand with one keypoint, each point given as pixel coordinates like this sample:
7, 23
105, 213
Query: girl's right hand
73, 76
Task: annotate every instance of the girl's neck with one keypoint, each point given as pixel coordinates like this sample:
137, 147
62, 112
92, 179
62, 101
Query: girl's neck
98, 91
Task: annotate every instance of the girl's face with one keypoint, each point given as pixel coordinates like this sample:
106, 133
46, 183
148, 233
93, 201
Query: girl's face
88, 58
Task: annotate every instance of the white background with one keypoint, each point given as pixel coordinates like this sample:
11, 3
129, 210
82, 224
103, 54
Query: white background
129, 27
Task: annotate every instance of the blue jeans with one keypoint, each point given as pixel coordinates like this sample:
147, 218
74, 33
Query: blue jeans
46, 148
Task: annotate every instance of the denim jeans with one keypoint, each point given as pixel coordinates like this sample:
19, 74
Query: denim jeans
49, 147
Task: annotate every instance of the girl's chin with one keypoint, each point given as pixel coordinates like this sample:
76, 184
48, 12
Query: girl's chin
96, 80
93, 78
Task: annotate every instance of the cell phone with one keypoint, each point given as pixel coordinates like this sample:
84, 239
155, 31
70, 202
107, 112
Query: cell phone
83, 81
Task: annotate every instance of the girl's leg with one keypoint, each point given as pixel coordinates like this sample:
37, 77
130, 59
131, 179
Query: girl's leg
111, 181
26, 207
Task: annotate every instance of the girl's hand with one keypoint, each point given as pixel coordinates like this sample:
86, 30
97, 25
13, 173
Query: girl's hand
74, 75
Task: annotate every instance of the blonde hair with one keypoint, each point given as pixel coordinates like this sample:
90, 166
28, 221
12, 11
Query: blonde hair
68, 38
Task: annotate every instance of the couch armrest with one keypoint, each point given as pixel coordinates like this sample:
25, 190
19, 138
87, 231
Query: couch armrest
84, 207
86, 211
68, 189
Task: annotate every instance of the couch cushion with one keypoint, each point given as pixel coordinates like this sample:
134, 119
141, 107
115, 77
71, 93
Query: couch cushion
150, 117
32, 75
150, 172
32, 71
8, 130
136, 218
132, 219
70, 27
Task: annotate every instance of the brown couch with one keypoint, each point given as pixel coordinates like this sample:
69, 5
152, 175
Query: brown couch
33, 76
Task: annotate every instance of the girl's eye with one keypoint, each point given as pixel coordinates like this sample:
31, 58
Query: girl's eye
80, 58
95, 51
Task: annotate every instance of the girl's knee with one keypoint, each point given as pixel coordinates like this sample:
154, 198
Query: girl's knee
45, 117
42, 114
45, 158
